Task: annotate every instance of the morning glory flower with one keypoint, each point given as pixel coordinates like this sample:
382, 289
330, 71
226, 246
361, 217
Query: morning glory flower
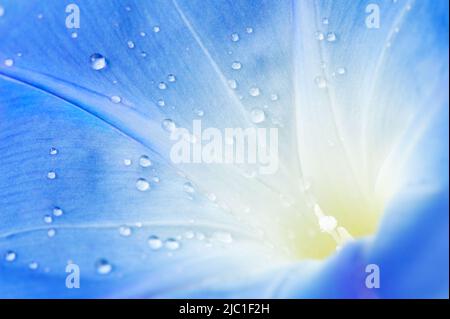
93, 205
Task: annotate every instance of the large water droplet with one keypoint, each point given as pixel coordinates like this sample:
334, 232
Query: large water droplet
98, 61
145, 161
257, 115
10, 256
154, 242
103, 267
142, 184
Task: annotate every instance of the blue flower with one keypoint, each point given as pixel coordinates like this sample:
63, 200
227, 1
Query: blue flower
91, 90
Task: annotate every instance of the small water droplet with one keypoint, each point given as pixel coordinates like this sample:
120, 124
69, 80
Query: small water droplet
98, 61
154, 242
171, 78
161, 102
127, 162
130, 44
319, 36
223, 237
143, 54
2, 11
156, 29
325, 21
327, 223
33, 265
257, 115
156, 179
162, 86
189, 234
125, 231
51, 175
331, 37
199, 112
142, 184
249, 30
172, 244
51, 233
103, 267
234, 37
254, 91
57, 212
74, 35
168, 125
116, 99
10, 256
48, 219
142, 34
236, 65
145, 161
9, 62
341, 71
53, 151
274, 97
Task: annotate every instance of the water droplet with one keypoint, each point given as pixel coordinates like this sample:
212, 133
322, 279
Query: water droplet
236, 65
249, 30
325, 21
320, 82
53, 151
274, 97
257, 115
74, 35
125, 231
234, 37
98, 61
48, 219
156, 179
40, 16
127, 162
327, 223
142, 184
154, 242
331, 37
171, 78
161, 102
143, 54
116, 99
189, 234
10, 256
130, 44
189, 188
51, 175
57, 212
254, 91
212, 197
103, 267
199, 112
232, 84
200, 236
156, 29
145, 161
341, 71
168, 125
142, 34
319, 36
9, 62
171, 244
33, 265
2, 11
51, 233
162, 86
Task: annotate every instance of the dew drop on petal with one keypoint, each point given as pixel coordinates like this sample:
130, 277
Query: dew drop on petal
10, 256
74, 35
327, 223
223, 237
325, 21
2, 11
142, 184
274, 97
161, 102
48, 219
249, 30
156, 29
168, 125
130, 44
9, 62
331, 37
103, 267
189, 188
320, 82
33, 265
319, 36
57, 212
98, 61
341, 71
232, 84
116, 99
236, 65
51, 175
172, 244
51, 233
234, 37
53, 151
162, 86
144, 161
127, 162
254, 91
154, 242
171, 78
257, 115
125, 231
